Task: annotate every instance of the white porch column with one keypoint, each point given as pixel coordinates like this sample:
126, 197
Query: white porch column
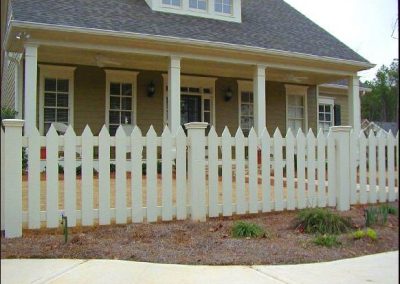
19, 76
259, 98
30, 86
354, 103
174, 94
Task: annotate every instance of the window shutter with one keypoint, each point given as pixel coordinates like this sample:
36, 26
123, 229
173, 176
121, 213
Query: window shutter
338, 118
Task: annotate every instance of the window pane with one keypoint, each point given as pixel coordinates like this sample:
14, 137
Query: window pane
115, 89
245, 97
49, 99
218, 7
50, 85
126, 117
115, 103
251, 112
193, 4
321, 116
127, 89
49, 114
62, 115
245, 109
327, 117
62, 100
206, 105
46, 127
176, 2
299, 113
62, 86
227, 9
126, 104
207, 117
113, 129
202, 5
321, 108
114, 117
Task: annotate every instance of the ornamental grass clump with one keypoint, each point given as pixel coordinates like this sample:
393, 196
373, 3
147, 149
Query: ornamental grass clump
321, 221
243, 229
327, 241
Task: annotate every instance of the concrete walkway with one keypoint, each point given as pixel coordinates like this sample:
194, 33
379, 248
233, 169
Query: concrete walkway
379, 268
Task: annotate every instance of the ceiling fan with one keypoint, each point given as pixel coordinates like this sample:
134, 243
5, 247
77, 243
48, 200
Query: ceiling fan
103, 61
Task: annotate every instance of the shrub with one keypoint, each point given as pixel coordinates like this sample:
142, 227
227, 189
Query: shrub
359, 234
243, 229
371, 234
321, 221
8, 113
159, 168
327, 241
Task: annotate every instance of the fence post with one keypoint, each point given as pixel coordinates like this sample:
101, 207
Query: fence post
13, 177
341, 135
196, 169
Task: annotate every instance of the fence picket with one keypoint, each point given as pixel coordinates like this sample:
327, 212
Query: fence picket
301, 145
353, 167
253, 172
331, 169
278, 172
213, 173
104, 177
70, 176
136, 175
382, 166
240, 171
372, 167
120, 176
151, 174
290, 142
2, 200
311, 194
34, 179
166, 149
266, 170
181, 188
363, 168
226, 172
321, 162
87, 177
390, 159
52, 215
397, 165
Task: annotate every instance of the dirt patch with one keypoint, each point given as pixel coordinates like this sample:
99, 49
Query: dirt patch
187, 242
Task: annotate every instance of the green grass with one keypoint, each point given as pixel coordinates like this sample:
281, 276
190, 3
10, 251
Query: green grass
327, 241
321, 221
243, 229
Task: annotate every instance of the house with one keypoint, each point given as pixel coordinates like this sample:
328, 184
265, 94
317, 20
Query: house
247, 63
377, 126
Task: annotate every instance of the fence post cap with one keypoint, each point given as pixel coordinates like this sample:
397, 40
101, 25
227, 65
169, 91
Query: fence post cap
196, 125
341, 128
13, 122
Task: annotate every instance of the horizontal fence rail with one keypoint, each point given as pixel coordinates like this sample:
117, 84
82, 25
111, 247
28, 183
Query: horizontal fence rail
148, 178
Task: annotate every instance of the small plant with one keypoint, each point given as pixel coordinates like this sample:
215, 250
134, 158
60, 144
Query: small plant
359, 234
243, 229
389, 209
327, 241
378, 215
321, 221
371, 234
8, 113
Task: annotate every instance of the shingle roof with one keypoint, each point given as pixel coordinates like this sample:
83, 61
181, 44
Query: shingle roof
270, 24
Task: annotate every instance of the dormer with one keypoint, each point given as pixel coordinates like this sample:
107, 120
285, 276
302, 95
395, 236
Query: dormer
225, 10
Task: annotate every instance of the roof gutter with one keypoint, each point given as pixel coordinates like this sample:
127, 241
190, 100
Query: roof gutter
343, 87
170, 39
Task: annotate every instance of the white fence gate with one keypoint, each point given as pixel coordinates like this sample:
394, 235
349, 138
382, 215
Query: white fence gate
258, 174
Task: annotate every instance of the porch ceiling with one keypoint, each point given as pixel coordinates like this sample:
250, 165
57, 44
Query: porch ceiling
107, 59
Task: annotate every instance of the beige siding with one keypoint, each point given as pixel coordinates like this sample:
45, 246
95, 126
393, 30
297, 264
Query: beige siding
8, 85
275, 107
226, 112
312, 108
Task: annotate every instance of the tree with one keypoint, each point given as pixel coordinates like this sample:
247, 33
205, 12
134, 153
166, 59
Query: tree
381, 104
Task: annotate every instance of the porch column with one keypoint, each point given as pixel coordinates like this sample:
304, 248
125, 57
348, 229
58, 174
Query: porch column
30, 86
174, 94
354, 103
19, 76
259, 98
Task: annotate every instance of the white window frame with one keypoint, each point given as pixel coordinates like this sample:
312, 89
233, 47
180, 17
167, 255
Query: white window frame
58, 72
193, 82
297, 90
244, 86
172, 6
197, 9
222, 13
124, 77
326, 101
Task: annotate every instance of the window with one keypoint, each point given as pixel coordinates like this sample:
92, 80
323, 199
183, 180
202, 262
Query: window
223, 6
296, 110
325, 113
56, 96
246, 112
198, 4
176, 3
121, 95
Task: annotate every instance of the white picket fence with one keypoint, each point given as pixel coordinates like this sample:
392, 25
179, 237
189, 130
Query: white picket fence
295, 172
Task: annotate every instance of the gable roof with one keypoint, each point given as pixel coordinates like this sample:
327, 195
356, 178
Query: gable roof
267, 24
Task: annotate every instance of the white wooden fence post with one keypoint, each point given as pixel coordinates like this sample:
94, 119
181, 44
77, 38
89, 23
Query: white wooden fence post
341, 135
12, 177
196, 169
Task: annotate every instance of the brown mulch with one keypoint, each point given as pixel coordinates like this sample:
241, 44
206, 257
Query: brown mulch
187, 242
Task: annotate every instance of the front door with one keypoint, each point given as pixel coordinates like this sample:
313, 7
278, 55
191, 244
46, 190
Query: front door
190, 108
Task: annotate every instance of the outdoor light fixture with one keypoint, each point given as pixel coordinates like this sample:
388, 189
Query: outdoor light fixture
228, 94
151, 89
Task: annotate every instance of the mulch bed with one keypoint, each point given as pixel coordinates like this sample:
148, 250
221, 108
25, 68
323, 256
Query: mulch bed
187, 242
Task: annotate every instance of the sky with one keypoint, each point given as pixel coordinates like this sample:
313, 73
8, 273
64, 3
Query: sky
366, 26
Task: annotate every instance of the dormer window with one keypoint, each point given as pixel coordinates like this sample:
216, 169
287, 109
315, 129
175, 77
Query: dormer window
223, 6
198, 4
175, 3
